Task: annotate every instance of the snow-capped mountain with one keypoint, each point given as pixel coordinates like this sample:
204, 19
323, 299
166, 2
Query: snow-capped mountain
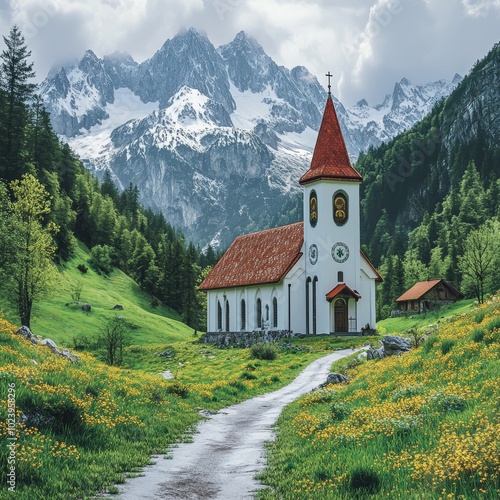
214, 138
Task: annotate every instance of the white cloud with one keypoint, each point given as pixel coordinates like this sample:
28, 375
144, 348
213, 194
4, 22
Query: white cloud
367, 44
480, 7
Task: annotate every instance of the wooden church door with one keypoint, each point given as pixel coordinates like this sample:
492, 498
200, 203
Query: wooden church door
341, 316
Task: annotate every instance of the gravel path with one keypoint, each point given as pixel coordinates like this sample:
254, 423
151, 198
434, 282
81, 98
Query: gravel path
227, 450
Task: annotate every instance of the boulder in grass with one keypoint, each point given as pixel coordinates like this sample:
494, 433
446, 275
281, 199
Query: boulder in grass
51, 345
69, 356
86, 308
394, 345
337, 378
377, 353
27, 334
118, 307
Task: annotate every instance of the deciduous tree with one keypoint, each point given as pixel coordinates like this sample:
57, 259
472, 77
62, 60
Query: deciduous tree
477, 263
30, 271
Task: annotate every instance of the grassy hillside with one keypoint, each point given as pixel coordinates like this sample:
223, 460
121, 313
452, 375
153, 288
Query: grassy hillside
425, 320
423, 425
83, 427
54, 319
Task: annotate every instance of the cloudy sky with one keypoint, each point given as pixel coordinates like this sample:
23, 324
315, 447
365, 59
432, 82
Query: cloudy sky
367, 44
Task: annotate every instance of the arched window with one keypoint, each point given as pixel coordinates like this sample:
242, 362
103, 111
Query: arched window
243, 315
259, 313
313, 208
227, 316
275, 312
219, 316
340, 208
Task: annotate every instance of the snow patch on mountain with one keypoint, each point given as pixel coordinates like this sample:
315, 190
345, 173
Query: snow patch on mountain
95, 144
214, 138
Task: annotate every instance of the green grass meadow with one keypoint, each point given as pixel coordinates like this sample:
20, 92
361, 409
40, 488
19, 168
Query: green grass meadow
82, 428
424, 425
53, 319
421, 426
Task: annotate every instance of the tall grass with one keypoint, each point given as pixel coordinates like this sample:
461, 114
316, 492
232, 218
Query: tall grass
423, 425
82, 427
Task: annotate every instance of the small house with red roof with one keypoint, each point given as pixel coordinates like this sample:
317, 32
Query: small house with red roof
310, 277
427, 295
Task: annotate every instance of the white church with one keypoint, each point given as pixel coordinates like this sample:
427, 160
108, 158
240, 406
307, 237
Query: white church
305, 278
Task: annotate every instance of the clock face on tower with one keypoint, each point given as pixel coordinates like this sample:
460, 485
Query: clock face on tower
340, 252
313, 254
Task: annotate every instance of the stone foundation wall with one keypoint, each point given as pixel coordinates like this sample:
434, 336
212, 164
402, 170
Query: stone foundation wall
244, 339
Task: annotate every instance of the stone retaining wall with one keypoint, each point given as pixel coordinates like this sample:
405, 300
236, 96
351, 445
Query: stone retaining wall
244, 339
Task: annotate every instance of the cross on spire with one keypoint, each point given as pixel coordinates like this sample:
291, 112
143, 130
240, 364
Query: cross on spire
329, 75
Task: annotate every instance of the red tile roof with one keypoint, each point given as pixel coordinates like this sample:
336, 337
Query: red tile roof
342, 288
418, 290
330, 159
258, 258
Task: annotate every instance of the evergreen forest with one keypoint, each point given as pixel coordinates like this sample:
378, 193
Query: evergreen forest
48, 201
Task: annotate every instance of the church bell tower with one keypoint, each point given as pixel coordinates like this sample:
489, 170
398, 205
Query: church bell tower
331, 232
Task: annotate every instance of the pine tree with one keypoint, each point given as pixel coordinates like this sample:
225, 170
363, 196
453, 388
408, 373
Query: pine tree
108, 187
16, 73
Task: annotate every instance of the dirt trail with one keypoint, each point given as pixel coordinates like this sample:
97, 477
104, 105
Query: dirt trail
227, 450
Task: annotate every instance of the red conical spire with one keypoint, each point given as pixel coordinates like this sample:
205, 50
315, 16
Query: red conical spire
330, 159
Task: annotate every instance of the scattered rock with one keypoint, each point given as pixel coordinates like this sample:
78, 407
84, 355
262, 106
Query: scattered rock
86, 307
337, 378
167, 374
118, 307
69, 356
166, 354
51, 345
206, 413
26, 333
361, 356
36, 419
394, 345
375, 353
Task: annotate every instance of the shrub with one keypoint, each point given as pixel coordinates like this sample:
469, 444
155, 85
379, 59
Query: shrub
340, 411
100, 258
364, 480
82, 268
264, 350
324, 396
178, 389
493, 324
113, 339
449, 402
447, 346
81, 342
429, 343
477, 335
248, 376
408, 392
480, 315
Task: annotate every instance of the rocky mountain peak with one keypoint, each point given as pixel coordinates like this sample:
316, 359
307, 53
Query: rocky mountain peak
248, 66
212, 134
456, 79
187, 59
